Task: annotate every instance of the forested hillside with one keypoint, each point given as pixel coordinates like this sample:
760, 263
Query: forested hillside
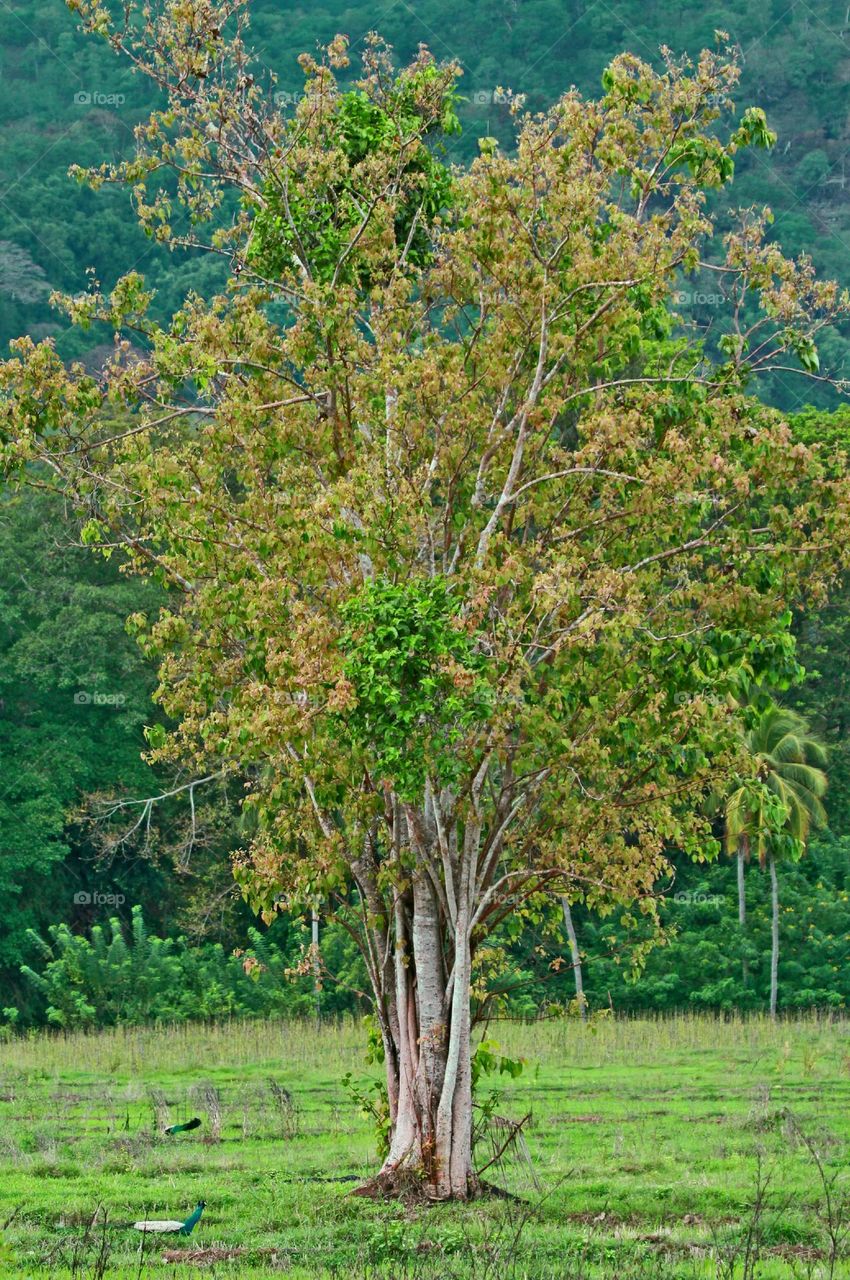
75, 691
66, 100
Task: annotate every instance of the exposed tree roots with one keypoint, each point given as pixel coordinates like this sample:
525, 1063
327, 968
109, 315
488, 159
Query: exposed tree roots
410, 1186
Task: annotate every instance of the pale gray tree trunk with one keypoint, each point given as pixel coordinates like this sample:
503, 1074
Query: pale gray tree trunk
455, 1174
317, 973
774, 951
405, 1146
418, 945
425, 1014
431, 1077
575, 956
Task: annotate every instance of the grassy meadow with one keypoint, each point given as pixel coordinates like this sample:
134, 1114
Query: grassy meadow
688, 1147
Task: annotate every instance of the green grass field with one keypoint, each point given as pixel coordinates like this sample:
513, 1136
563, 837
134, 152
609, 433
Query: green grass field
680, 1148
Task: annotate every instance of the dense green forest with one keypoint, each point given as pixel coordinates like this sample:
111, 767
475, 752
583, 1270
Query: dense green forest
76, 850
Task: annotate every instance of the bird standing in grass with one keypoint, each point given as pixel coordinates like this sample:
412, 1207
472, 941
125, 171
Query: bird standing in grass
167, 1226
194, 1123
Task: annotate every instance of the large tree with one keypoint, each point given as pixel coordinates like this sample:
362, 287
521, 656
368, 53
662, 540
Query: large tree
461, 527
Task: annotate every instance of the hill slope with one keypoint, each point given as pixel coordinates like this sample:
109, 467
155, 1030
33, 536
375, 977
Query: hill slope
65, 98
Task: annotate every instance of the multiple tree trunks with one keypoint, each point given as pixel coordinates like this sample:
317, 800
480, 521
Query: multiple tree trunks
429, 1072
424, 1011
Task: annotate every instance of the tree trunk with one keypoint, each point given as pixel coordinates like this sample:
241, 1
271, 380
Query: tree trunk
742, 914
426, 1028
575, 955
317, 972
774, 952
431, 1078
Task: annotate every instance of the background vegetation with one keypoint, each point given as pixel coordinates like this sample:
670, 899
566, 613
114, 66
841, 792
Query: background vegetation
65, 100
74, 690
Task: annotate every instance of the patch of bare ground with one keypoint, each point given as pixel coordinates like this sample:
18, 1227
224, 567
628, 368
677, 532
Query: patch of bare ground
207, 1257
797, 1252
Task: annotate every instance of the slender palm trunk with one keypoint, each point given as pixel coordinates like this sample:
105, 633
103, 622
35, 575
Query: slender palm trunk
317, 973
742, 914
774, 953
575, 955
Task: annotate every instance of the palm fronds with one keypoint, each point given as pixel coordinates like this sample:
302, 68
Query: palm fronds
784, 792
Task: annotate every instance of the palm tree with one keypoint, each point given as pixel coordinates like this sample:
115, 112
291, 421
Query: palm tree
780, 801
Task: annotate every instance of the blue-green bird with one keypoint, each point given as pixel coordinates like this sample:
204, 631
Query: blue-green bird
194, 1123
167, 1226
